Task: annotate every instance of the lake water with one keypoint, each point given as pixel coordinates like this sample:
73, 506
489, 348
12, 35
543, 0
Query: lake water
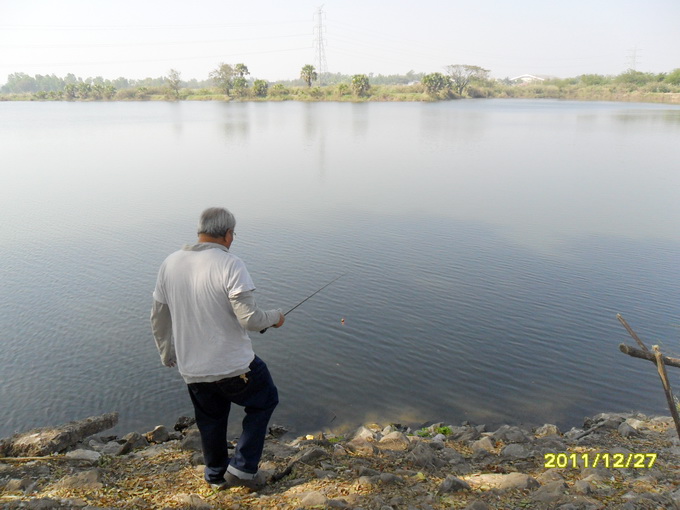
487, 247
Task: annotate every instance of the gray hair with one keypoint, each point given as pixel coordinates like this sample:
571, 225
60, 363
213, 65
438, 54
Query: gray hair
215, 221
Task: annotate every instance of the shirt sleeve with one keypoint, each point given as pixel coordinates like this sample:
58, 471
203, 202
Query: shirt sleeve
249, 315
238, 278
159, 291
161, 325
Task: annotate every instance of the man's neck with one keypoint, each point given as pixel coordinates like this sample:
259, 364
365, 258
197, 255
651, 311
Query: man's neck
205, 238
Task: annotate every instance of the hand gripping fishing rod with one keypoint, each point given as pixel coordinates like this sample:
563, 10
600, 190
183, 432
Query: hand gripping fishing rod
308, 297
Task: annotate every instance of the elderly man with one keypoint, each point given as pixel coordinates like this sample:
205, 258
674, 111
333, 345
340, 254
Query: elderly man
203, 308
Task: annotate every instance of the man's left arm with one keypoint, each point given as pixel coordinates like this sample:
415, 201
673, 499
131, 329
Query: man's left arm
250, 316
161, 325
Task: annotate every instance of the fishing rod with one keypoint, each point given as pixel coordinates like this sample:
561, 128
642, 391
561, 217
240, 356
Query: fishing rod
309, 297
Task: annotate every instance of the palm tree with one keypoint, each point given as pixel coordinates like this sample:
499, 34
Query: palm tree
241, 70
360, 84
308, 74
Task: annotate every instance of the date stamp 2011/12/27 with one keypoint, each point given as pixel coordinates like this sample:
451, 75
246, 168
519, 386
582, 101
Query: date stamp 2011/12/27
605, 460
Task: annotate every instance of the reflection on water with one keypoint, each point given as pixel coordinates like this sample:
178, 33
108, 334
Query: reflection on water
488, 246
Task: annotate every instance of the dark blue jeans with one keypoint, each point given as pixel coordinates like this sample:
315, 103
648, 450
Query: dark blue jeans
212, 403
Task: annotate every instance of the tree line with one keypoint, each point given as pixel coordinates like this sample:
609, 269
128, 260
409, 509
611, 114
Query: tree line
234, 81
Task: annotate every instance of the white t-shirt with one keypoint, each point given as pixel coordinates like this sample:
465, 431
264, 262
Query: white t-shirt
196, 284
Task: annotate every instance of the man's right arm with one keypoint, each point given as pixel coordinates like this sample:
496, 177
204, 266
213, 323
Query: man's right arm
250, 316
161, 325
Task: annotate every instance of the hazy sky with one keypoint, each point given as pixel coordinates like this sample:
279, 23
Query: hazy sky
146, 38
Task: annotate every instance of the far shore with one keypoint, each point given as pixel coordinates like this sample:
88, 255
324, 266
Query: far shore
412, 93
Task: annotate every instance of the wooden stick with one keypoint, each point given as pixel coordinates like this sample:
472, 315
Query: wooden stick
631, 332
591, 429
31, 459
661, 367
637, 353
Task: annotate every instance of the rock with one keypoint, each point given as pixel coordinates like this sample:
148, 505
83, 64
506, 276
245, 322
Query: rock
83, 480
437, 445
183, 423
193, 501
477, 505
598, 474
423, 456
314, 498
309, 455
452, 484
627, 430
324, 474
277, 431
583, 487
511, 434
457, 432
48, 440
550, 493
278, 450
136, 440
390, 479
516, 451
636, 424
547, 430
337, 503
362, 446
470, 434
43, 504
504, 481
650, 501
87, 455
609, 421
364, 433
395, 441
116, 448
362, 470
452, 456
550, 475
486, 444
16, 485
192, 441
367, 481
158, 435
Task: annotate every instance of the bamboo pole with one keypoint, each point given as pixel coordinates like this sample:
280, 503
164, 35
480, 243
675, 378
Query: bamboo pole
637, 353
661, 367
631, 332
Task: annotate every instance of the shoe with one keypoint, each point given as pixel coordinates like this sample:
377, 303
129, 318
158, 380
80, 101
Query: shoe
219, 486
254, 484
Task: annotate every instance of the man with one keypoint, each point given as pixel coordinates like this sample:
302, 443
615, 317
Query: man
203, 307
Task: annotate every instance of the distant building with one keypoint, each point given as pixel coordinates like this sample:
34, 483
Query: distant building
526, 78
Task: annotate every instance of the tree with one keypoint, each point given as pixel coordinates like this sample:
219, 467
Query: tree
70, 91
635, 78
240, 86
241, 70
360, 84
84, 90
434, 83
673, 78
592, 79
222, 77
260, 88
308, 74
462, 75
174, 82
20, 82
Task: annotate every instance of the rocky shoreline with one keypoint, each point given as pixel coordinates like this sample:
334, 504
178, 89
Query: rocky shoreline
622, 461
